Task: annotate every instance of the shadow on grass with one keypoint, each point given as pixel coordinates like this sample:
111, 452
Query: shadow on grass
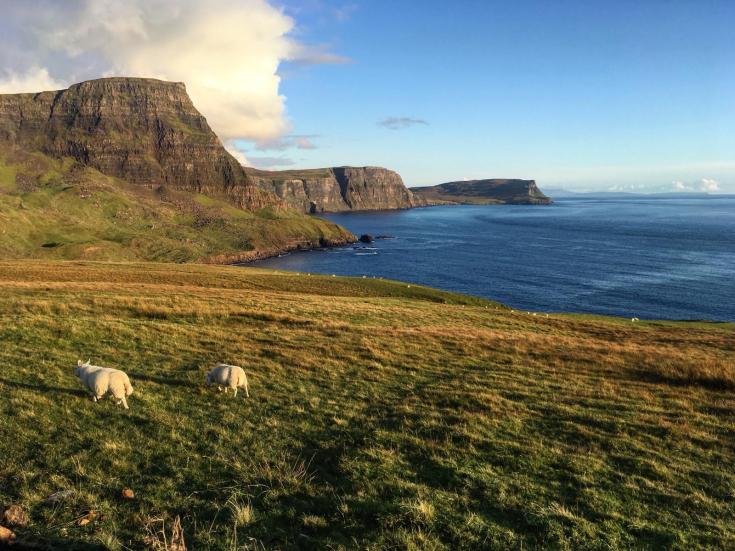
38, 544
167, 381
44, 388
724, 382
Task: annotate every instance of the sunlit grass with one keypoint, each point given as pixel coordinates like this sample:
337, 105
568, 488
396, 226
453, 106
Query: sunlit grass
381, 416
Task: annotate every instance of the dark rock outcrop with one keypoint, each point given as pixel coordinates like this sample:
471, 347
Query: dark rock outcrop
145, 131
337, 189
484, 192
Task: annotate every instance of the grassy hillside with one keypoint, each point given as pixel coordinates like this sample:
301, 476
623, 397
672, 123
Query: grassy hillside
59, 209
381, 416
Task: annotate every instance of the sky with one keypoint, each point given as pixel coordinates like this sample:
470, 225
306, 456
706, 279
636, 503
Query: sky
586, 96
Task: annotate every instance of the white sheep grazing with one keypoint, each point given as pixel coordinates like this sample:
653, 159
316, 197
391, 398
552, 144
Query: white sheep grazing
229, 376
101, 380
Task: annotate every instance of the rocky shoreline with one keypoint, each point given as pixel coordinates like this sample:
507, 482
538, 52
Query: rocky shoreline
246, 257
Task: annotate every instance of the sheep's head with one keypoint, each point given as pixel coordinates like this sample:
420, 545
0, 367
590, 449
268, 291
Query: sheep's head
80, 367
209, 378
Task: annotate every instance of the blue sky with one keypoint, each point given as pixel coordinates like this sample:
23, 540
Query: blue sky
582, 95
585, 95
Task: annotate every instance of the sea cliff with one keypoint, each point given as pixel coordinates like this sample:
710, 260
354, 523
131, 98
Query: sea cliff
337, 189
483, 192
142, 130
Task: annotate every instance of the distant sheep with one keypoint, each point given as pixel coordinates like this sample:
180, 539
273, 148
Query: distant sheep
634, 320
101, 380
229, 376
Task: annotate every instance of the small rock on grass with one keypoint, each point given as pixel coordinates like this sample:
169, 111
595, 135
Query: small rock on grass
7, 537
14, 515
127, 493
86, 519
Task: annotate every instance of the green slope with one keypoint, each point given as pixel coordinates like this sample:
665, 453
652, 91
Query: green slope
60, 209
381, 416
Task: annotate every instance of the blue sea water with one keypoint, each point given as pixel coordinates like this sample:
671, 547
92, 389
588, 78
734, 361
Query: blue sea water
655, 258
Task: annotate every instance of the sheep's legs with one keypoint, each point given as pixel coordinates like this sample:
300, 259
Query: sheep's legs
219, 388
235, 392
124, 402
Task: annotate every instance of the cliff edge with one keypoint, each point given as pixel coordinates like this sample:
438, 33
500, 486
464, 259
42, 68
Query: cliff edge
337, 189
484, 192
142, 130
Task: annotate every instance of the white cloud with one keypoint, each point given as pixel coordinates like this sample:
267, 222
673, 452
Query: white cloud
315, 55
344, 13
703, 185
236, 152
653, 177
226, 51
34, 79
399, 123
709, 185
271, 163
297, 141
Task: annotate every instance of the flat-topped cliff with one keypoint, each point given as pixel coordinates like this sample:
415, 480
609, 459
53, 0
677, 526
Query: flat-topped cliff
142, 130
128, 169
484, 192
337, 189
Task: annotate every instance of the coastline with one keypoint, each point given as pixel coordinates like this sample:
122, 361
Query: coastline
483, 202
245, 257
508, 254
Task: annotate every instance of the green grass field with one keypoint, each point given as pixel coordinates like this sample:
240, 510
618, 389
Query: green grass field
381, 416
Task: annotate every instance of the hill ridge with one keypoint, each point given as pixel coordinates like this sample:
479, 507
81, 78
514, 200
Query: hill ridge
484, 191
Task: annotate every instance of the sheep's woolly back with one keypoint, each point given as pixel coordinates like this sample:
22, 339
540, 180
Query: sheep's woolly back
231, 376
100, 380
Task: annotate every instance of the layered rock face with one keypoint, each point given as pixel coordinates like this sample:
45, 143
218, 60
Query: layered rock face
493, 191
337, 189
145, 131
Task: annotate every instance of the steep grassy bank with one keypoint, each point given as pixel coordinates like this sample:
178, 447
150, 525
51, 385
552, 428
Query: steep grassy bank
381, 416
59, 209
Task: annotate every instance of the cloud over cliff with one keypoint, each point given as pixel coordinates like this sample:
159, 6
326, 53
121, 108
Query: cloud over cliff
226, 51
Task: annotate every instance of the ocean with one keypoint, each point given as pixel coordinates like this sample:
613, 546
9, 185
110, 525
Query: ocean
651, 258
